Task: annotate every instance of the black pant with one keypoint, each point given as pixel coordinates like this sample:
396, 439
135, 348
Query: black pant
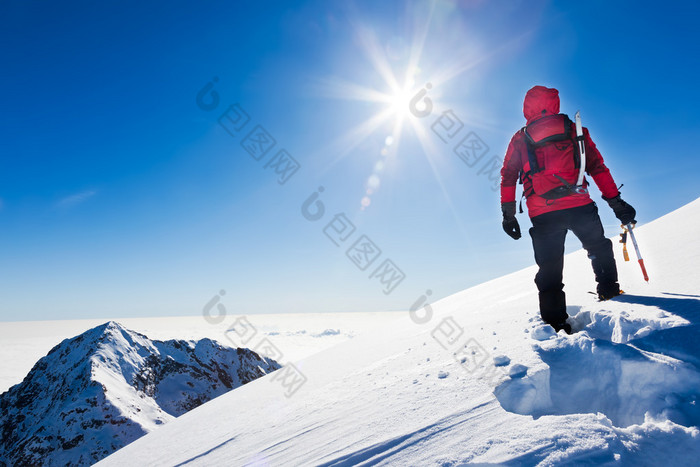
548, 233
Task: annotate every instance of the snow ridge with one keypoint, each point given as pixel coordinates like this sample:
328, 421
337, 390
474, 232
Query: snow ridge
99, 391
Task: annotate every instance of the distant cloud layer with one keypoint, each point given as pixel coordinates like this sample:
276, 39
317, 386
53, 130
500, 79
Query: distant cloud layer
74, 200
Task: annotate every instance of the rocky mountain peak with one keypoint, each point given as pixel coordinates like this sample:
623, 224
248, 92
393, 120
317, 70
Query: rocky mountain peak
98, 391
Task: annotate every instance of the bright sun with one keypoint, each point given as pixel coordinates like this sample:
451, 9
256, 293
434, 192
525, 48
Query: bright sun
400, 99
402, 104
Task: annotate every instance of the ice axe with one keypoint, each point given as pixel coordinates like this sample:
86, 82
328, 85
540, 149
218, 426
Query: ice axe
628, 229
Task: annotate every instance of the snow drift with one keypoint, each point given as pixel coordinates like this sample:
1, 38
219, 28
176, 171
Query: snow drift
97, 392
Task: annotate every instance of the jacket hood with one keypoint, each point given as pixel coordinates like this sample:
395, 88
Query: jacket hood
539, 102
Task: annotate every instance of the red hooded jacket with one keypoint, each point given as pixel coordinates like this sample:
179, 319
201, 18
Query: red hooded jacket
540, 102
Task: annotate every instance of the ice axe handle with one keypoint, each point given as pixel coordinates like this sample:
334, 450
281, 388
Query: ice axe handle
630, 226
644, 270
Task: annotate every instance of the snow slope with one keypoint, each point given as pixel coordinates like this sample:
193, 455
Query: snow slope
482, 381
98, 391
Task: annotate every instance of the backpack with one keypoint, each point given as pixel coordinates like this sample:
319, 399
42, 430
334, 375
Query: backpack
551, 138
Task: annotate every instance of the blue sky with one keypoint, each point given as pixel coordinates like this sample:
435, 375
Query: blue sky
121, 196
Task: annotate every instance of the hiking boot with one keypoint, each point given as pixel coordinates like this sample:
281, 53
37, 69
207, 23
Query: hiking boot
553, 306
565, 326
608, 291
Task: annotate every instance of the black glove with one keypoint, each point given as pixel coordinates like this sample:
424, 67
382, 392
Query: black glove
623, 211
510, 223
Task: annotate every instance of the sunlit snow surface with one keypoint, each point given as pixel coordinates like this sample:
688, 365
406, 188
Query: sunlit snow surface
622, 390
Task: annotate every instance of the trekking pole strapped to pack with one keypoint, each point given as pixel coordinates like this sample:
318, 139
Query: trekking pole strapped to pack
581, 150
629, 228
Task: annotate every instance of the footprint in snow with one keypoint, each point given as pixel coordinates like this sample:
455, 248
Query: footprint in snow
517, 371
543, 332
501, 360
443, 374
622, 327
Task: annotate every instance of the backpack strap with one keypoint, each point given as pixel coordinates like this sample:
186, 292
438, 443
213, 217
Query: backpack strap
521, 202
534, 166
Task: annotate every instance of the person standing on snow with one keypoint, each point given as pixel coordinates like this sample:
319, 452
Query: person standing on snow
545, 157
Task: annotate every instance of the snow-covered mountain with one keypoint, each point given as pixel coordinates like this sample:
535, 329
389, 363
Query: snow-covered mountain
296, 335
476, 378
99, 391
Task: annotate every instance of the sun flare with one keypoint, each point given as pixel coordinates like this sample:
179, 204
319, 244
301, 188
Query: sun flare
408, 92
400, 100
